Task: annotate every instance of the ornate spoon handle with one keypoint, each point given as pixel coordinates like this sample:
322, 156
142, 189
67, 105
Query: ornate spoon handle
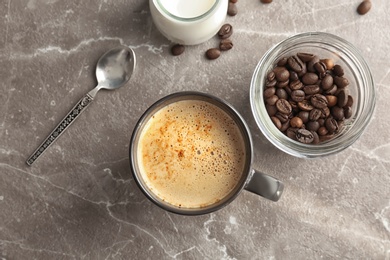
60, 128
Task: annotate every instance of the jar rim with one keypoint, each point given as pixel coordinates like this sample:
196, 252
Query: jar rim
164, 11
365, 89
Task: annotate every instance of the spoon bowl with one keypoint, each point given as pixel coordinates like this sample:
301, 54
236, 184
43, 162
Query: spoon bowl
113, 70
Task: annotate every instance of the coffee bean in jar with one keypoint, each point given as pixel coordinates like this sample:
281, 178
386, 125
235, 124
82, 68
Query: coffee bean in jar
307, 97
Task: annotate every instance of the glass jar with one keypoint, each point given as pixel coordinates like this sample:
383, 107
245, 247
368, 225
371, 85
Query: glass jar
188, 22
361, 87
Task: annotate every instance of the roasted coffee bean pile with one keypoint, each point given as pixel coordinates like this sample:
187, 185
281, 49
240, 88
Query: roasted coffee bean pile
307, 97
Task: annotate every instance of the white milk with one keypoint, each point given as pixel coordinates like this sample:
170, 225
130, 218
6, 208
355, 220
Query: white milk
188, 22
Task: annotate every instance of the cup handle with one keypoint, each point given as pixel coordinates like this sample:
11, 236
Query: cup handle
265, 186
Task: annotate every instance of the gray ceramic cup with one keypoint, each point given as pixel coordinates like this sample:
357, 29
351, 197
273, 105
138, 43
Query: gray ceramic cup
251, 180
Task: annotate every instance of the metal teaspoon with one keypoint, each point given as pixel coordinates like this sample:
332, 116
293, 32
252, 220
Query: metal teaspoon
113, 70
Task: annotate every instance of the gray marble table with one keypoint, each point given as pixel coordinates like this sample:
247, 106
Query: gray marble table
79, 201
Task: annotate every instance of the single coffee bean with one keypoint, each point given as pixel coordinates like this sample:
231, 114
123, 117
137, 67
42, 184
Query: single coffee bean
315, 114
338, 70
304, 136
295, 63
305, 105
350, 101
271, 84
347, 112
332, 90
310, 78
271, 75
298, 95
282, 117
326, 137
304, 115
283, 106
342, 98
233, 1
321, 68
341, 82
292, 132
269, 92
305, 57
325, 112
303, 71
281, 93
285, 126
282, 84
282, 62
225, 44
177, 49
311, 89
213, 53
316, 138
266, 1
232, 9
331, 125
327, 82
272, 100
276, 122
226, 31
322, 130
296, 122
293, 75
312, 126
337, 113
321, 121
310, 64
329, 63
296, 84
271, 110
319, 101
332, 100
281, 74
364, 7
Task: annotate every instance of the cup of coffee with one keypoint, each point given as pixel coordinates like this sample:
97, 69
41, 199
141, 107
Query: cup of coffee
191, 153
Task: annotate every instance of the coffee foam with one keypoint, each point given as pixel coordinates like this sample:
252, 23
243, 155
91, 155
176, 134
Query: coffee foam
191, 154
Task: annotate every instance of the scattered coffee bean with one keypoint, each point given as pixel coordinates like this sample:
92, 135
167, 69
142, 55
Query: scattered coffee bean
233, 1
226, 31
213, 53
266, 1
232, 9
307, 97
364, 7
225, 44
177, 49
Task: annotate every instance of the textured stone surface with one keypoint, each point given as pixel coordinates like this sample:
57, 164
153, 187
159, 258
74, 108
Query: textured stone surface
79, 200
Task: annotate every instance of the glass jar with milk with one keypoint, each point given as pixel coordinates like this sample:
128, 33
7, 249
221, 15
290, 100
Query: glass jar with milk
188, 22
